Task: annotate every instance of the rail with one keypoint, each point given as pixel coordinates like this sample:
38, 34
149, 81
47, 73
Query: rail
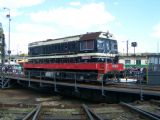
33, 114
155, 102
35, 117
91, 114
140, 111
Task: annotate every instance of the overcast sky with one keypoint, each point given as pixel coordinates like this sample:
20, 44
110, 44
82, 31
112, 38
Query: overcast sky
36, 20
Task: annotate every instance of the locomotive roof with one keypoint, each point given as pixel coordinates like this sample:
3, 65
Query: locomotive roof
90, 36
87, 36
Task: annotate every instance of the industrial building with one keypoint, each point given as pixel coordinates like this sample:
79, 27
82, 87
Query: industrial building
135, 60
154, 69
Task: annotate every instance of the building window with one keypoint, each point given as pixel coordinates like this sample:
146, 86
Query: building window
127, 62
138, 62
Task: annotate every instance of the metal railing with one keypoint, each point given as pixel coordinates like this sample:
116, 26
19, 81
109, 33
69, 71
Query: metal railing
71, 76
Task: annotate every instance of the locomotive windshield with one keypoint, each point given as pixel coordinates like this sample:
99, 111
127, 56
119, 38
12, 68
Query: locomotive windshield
107, 46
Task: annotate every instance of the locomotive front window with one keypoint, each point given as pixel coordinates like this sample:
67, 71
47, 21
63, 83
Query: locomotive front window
87, 45
107, 46
113, 45
100, 44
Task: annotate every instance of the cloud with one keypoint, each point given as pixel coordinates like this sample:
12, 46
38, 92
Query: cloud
13, 13
156, 32
36, 32
1, 17
75, 3
19, 3
119, 24
56, 22
34, 28
26, 33
122, 41
14, 6
84, 17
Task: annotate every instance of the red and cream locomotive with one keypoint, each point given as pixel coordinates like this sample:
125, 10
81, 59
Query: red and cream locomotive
91, 56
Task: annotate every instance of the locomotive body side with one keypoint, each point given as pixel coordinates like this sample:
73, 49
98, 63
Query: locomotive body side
92, 54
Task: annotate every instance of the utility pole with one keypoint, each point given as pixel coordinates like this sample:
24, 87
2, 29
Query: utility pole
157, 46
2, 45
3, 50
9, 24
127, 47
134, 44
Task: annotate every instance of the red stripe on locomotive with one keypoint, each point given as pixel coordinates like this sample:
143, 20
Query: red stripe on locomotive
103, 67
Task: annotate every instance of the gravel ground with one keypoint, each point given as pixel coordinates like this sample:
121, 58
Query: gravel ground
66, 107
27, 96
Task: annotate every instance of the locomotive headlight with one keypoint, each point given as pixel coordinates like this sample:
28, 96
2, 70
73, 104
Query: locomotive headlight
115, 66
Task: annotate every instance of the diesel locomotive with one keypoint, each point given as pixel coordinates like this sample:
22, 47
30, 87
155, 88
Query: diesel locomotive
90, 56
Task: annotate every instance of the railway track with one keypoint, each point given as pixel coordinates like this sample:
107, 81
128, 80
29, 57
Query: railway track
114, 112
14, 111
150, 109
61, 112
122, 111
